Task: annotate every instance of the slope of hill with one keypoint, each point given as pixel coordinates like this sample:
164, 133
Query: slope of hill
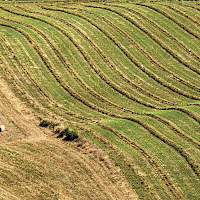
37, 165
125, 76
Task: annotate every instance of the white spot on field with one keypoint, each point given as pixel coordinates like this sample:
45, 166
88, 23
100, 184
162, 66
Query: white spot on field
2, 128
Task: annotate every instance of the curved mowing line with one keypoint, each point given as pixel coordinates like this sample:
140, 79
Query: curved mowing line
170, 126
189, 51
132, 59
95, 68
44, 95
164, 177
150, 160
105, 58
181, 13
176, 130
194, 165
107, 61
54, 104
88, 60
195, 8
155, 134
152, 36
147, 55
190, 114
172, 19
140, 178
192, 162
57, 75
82, 128
68, 66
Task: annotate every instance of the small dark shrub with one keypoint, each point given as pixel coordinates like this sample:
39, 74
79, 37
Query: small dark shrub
45, 123
65, 132
71, 136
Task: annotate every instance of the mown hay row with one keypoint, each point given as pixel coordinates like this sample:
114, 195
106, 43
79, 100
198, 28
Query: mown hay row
41, 91
93, 66
192, 162
180, 24
109, 62
190, 114
149, 159
175, 40
195, 8
176, 129
147, 55
148, 72
169, 181
45, 37
173, 128
55, 72
132, 59
57, 76
142, 181
181, 13
103, 57
151, 115
154, 116
70, 69
164, 31
152, 36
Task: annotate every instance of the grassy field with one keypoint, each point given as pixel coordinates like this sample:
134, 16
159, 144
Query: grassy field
124, 76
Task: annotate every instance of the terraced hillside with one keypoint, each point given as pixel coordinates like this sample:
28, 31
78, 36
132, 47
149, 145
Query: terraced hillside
125, 76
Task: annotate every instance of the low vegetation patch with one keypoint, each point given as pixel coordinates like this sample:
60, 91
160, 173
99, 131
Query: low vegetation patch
66, 132
45, 123
70, 135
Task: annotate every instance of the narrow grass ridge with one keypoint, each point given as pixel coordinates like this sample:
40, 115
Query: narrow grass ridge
182, 13
156, 117
95, 67
167, 123
164, 31
183, 26
105, 58
42, 92
151, 35
45, 60
147, 55
149, 159
179, 149
131, 57
130, 166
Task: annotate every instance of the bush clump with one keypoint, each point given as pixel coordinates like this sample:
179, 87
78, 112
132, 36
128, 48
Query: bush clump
70, 135
45, 123
65, 131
